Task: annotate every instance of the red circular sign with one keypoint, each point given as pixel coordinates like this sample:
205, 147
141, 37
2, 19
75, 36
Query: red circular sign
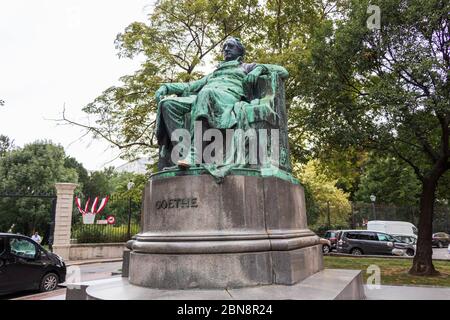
111, 219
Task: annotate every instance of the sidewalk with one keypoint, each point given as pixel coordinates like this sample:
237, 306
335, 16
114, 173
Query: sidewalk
407, 293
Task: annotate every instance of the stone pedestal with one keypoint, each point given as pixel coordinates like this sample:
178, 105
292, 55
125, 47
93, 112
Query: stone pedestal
63, 219
246, 231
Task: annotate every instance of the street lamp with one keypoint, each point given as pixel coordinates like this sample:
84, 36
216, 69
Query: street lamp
373, 198
130, 186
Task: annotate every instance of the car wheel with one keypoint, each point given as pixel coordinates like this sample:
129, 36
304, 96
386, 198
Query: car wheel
440, 245
357, 252
325, 249
49, 282
410, 252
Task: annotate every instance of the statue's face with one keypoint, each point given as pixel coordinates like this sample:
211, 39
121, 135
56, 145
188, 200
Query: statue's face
231, 51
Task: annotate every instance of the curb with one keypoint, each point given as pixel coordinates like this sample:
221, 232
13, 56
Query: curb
334, 254
82, 262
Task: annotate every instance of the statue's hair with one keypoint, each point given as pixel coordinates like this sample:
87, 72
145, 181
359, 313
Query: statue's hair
237, 42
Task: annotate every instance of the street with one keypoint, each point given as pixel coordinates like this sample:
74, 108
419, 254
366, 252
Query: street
86, 272
441, 253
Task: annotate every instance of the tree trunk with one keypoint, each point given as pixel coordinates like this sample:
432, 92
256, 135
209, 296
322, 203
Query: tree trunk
423, 262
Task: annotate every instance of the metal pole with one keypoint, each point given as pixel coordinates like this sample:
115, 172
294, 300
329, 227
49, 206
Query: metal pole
328, 211
353, 216
374, 211
129, 220
446, 220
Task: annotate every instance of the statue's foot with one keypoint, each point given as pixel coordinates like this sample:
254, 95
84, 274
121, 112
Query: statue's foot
184, 164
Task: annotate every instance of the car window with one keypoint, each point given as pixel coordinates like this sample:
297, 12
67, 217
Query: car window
373, 236
363, 236
384, 237
22, 248
332, 234
351, 235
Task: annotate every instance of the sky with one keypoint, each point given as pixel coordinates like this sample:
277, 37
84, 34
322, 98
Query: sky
55, 53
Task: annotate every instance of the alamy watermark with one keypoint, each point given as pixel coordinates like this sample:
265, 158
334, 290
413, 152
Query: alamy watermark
374, 20
73, 277
374, 280
227, 146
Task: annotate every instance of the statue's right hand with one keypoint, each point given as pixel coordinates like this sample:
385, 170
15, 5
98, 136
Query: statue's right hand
160, 93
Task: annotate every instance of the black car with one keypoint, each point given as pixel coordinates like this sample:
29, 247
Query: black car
26, 265
358, 242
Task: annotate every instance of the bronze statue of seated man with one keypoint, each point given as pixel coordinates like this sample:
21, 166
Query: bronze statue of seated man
232, 96
210, 99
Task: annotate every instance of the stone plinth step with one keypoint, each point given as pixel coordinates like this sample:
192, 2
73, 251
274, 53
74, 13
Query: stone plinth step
329, 284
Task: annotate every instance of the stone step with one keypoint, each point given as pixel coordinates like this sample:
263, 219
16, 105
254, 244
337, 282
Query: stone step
329, 284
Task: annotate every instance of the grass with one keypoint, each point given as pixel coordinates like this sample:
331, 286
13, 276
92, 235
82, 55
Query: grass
393, 271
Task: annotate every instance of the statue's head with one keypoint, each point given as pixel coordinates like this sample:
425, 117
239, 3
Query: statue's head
232, 49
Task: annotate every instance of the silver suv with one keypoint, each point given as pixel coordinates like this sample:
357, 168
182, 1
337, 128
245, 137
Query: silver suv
358, 242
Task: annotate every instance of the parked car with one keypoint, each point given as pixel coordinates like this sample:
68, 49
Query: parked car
412, 239
26, 265
359, 242
330, 235
440, 239
326, 245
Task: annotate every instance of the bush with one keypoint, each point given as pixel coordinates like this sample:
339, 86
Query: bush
103, 233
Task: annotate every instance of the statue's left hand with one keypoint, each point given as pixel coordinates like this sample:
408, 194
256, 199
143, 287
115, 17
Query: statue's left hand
160, 93
251, 78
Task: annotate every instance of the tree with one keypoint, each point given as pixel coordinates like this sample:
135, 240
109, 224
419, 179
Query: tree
33, 169
385, 89
6, 144
82, 173
327, 197
390, 180
178, 37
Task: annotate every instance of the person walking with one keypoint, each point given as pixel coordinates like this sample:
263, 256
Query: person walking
36, 237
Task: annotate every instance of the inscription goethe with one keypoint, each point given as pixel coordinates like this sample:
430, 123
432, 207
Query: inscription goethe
176, 203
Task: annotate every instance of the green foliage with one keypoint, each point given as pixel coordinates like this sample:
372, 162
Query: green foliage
6, 144
382, 89
35, 168
103, 233
390, 181
175, 41
326, 196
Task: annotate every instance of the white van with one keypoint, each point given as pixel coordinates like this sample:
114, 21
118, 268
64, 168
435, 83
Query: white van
392, 227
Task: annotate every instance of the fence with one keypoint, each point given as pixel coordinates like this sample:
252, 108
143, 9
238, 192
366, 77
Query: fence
360, 213
127, 215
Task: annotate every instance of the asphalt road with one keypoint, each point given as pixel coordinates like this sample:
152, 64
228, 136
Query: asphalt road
78, 273
441, 253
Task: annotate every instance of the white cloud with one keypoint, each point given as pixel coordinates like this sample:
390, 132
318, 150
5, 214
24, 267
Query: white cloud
54, 52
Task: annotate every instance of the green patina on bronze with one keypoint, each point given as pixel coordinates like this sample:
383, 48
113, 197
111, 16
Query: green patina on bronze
236, 95
196, 171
